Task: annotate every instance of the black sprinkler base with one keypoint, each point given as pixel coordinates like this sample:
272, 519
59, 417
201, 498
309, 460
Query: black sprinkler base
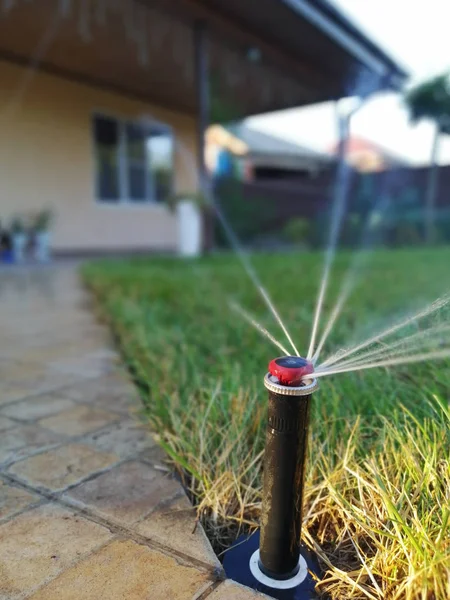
237, 567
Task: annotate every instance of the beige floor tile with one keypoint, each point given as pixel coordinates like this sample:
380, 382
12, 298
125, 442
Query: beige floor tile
37, 407
11, 393
24, 440
79, 420
14, 499
126, 570
22, 389
19, 372
125, 403
56, 350
126, 493
61, 467
91, 364
6, 423
112, 391
229, 590
126, 438
156, 457
39, 544
174, 525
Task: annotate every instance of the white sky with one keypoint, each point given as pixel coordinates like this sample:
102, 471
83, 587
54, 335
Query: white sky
413, 32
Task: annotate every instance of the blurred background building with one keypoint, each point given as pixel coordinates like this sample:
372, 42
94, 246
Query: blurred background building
366, 156
105, 104
259, 156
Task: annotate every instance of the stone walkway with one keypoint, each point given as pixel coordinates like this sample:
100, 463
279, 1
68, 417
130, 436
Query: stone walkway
88, 510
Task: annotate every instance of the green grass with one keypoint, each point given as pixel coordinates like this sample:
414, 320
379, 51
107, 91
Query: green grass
377, 506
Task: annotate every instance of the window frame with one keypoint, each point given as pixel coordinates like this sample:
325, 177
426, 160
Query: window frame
123, 163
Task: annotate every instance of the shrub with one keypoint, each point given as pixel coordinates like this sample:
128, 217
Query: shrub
248, 218
407, 234
43, 220
442, 226
320, 229
17, 225
351, 230
297, 231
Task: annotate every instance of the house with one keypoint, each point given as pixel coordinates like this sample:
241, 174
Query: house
367, 157
259, 156
104, 103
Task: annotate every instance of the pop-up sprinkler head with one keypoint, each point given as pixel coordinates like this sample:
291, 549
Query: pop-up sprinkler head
274, 561
290, 370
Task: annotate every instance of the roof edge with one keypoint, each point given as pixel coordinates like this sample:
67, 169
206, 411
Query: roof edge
337, 26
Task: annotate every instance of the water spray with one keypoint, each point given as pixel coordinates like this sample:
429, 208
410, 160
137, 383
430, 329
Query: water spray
273, 560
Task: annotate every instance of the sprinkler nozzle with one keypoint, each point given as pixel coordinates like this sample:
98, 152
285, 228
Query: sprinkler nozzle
290, 370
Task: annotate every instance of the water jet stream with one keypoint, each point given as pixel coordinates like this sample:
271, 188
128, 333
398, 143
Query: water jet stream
250, 270
438, 354
428, 310
338, 210
350, 278
236, 307
187, 157
414, 342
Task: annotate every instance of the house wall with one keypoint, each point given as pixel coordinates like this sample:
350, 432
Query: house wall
47, 160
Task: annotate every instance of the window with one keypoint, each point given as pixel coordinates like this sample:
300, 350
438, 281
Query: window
106, 132
134, 161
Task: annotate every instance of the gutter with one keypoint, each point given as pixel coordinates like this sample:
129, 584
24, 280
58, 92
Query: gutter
354, 47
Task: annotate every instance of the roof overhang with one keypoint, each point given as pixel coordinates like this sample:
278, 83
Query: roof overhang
320, 52
264, 55
339, 28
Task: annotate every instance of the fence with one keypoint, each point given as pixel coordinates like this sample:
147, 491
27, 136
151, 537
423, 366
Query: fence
261, 207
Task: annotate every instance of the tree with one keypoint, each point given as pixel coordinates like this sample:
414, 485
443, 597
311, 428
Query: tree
431, 100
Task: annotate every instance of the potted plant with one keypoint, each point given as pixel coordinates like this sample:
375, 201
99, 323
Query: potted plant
42, 236
188, 208
18, 239
5, 245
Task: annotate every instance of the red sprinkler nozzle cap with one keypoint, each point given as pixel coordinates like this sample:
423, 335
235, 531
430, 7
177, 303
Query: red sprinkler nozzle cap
290, 370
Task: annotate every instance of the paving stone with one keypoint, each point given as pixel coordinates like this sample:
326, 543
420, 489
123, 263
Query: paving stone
125, 403
126, 493
155, 456
5, 362
6, 423
54, 350
126, 439
37, 407
175, 526
19, 372
10, 393
230, 590
113, 391
38, 544
14, 499
24, 440
78, 420
125, 569
91, 364
50, 382
64, 466
31, 373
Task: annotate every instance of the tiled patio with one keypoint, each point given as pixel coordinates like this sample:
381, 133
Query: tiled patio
88, 510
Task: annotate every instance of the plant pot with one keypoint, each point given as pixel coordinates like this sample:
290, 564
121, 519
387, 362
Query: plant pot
189, 228
42, 246
19, 242
7, 257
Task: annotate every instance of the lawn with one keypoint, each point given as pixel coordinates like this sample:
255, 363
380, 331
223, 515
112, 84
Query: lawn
377, 506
